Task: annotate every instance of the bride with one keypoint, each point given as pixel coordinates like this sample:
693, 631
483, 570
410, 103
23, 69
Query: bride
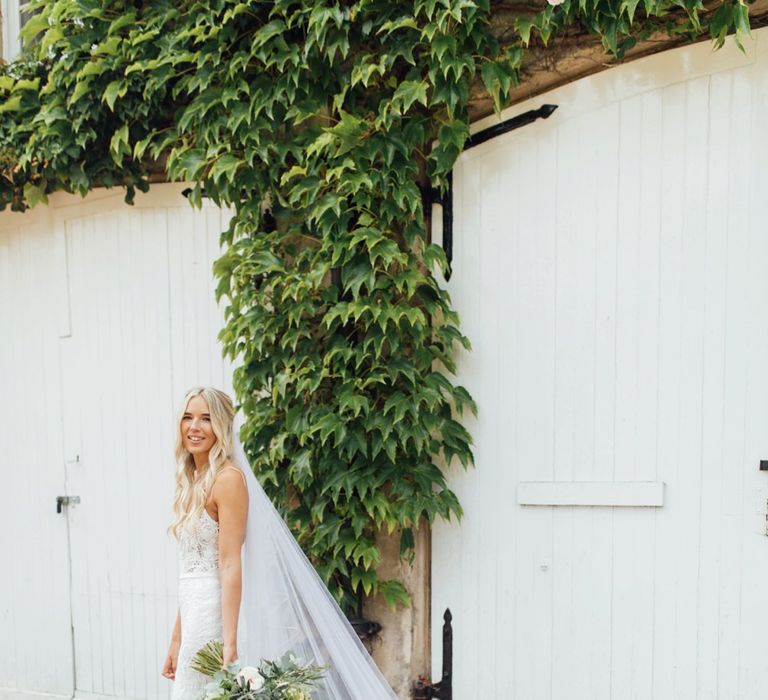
243, 579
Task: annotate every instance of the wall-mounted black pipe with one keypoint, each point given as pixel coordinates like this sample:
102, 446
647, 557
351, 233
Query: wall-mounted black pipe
447, 203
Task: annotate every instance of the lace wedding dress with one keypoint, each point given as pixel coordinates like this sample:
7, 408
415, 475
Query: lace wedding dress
199, 602
285, 606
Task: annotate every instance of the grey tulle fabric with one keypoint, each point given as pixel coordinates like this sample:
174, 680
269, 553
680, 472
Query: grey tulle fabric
286, 606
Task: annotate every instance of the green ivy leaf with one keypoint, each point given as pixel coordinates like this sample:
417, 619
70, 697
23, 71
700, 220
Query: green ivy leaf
35, 194
33, 26
118, 145
408, 92
114, 90
226, 166
394, 593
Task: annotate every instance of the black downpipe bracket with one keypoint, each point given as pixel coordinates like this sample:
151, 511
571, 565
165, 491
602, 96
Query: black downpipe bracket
446, 199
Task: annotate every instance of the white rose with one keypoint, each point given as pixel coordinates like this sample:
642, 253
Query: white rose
555, 2
252, 677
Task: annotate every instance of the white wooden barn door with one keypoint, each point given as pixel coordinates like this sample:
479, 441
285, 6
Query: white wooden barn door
611, 271
35, 621
132, 296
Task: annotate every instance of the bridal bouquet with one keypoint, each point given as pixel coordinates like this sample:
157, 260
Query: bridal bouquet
284, 679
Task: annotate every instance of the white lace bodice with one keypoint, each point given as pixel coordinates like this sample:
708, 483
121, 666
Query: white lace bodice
199, 547
199, 601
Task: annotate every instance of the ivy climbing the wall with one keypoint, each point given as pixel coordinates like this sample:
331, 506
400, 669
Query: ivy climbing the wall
321, 125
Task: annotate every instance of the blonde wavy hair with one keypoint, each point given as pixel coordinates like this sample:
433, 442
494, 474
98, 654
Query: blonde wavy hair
192, 492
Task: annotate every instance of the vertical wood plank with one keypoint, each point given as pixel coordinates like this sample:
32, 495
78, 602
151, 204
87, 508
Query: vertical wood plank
669, 547
493, 228
597, 168
737, 329
631, 670
751, 626
469, 536
713, 292
534, 415
505, 265
573, 398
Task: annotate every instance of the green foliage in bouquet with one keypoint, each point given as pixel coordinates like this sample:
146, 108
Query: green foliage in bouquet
281, 679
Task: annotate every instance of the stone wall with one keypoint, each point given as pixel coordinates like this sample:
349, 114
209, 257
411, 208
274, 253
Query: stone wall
402, 649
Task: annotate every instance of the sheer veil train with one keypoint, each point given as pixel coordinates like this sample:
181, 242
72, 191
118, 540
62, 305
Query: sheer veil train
286, 606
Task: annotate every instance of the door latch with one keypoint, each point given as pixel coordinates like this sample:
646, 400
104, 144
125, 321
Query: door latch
65, 501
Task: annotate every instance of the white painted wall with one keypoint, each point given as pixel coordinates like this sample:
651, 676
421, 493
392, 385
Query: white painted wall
108, 317
10, 26
611, 271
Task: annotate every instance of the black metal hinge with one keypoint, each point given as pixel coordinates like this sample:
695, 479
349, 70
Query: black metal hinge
446, 199
443, 689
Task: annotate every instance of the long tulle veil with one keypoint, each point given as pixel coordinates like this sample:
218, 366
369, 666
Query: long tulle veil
286, 607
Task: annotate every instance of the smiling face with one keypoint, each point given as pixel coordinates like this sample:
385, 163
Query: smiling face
197, 434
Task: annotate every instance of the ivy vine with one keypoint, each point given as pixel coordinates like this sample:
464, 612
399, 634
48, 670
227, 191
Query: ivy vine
321, 124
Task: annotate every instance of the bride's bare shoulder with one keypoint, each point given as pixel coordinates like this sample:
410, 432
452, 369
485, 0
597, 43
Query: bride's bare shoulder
229, 468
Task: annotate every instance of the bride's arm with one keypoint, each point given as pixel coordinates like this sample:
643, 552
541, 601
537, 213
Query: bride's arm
172, 658
176, 634
231, 497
